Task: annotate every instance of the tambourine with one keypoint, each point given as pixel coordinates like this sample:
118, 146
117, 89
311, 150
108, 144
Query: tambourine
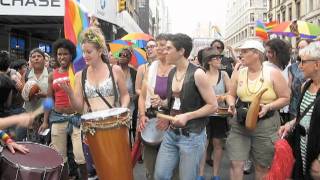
29, 90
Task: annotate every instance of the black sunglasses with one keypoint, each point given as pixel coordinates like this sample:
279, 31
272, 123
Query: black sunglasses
123, 55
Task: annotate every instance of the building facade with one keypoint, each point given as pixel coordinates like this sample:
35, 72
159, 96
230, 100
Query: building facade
160, 17
287, 10
241, 18
25, 25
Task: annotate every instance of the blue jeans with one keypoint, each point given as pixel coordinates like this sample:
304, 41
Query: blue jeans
182, 150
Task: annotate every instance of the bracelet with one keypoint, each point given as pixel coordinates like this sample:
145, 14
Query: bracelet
8, 141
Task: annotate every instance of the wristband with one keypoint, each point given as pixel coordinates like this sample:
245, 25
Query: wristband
4, 136
8, 141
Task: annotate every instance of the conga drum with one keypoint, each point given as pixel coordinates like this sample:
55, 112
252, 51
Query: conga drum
41, 163
107, 133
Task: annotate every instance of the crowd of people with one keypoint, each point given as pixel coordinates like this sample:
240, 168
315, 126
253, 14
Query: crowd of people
207, 99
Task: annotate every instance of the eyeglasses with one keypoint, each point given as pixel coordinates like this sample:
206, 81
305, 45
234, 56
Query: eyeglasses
151, 47
302, 62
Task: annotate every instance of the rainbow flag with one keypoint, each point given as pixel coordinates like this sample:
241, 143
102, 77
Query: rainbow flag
76, 20
261, 30
270, 25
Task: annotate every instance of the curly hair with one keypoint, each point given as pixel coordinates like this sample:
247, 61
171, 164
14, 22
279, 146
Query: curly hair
66, 44
281, 51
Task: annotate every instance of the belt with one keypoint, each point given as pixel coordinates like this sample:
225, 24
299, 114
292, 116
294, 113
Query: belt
267, 115
65, 114
180, 131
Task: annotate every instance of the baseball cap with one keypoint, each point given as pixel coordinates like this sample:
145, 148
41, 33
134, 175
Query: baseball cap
252, 44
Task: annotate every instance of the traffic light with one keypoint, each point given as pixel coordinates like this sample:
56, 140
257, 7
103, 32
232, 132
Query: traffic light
121, 5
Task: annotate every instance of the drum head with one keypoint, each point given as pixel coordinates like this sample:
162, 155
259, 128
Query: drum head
151, 134
104, 114
40, 156
26, 89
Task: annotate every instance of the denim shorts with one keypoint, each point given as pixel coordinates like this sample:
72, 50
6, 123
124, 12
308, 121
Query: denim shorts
258, 144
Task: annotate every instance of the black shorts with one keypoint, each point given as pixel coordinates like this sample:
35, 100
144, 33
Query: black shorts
217, 127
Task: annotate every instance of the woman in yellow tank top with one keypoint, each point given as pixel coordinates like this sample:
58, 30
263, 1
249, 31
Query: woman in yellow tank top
246, 84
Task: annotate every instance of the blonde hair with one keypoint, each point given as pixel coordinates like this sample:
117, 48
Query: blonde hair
95, 36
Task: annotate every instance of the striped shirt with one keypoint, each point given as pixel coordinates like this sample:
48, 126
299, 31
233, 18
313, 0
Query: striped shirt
307, 99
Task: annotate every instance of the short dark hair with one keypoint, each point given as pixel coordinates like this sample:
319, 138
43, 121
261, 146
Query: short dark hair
4, 60
218, 41
281, 50
6, 85
17, 64
180, 41
200, 56
162, 36
66, 44
37, 50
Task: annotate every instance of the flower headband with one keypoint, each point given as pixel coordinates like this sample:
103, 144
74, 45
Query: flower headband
93, 37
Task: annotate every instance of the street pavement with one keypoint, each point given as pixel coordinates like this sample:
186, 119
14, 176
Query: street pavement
139, 172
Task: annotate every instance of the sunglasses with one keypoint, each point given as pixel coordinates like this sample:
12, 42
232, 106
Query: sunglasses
123, 55
216, 58
306, 61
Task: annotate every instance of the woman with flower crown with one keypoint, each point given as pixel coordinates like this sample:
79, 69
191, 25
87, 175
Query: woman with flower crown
98, 79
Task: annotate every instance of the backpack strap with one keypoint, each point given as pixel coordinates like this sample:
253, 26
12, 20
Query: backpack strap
83, 81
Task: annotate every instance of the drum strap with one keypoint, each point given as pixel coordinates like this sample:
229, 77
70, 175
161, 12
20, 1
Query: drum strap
104, 99
83, 79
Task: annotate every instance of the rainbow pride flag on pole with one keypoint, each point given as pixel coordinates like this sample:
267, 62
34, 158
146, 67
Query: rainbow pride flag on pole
76, 20
261, 30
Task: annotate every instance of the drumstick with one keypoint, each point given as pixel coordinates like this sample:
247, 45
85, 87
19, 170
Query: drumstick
167, 117
47, 105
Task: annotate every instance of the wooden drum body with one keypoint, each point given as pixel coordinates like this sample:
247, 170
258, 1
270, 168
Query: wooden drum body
108, 137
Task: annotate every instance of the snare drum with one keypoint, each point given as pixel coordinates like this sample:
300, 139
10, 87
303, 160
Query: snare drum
107, 133
151, 134
42, 162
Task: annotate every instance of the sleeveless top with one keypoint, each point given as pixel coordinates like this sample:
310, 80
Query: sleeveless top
190, 98
105, 88
307, 99
161, 87
220, 88
42, 81
247, 89
61, 98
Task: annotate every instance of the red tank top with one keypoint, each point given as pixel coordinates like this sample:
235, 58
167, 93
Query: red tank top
60, 96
